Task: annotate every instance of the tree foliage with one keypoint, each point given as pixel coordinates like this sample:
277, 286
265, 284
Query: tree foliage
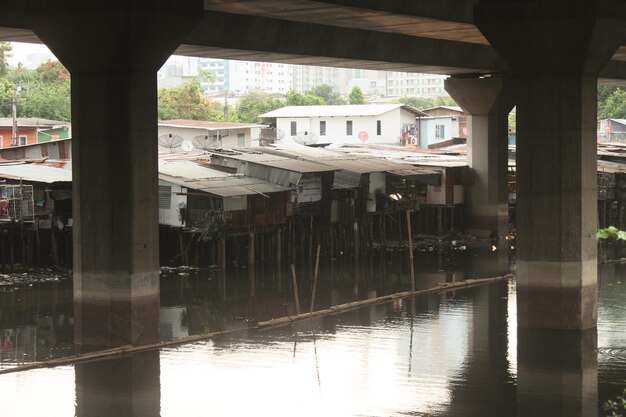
327, 93
294, 98
46, 91
254, 103
611, 103
422, 103
356, 96
5, 53
187, 102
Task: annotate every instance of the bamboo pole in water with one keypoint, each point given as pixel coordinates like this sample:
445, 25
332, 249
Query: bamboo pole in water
317, 268
443, 287
283, 321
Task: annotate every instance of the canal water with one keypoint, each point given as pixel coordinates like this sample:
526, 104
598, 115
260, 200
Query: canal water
452, 354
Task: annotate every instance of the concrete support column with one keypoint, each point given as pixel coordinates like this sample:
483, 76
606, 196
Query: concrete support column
113, 51
555, 50
124, 387
487, 102
557, 373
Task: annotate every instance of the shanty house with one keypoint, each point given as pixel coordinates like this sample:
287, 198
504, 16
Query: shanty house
191, 194
200, 135
441, 125
612, 130
339, 124
31, 131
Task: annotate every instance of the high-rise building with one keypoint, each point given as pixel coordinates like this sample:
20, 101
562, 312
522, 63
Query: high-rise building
220, 68
306, 77
401, 84
269, 77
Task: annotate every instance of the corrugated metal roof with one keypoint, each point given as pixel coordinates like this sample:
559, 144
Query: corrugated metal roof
230, 186
36, 172
206, 125
337, 110
280, 162
32, 122
339, 160
188, 169
453, 108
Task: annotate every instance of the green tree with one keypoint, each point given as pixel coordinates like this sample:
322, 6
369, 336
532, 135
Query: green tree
46, 95
295, 98
612, 104
46, 100
356, 96
52, 72
327, 93
187, 102
419, 103
5, 53
254, 103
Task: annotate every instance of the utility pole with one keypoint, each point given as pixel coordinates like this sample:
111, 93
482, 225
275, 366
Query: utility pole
16, 89
14, 137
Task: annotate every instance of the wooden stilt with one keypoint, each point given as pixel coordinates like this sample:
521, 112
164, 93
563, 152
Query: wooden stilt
410, 238
294, 282
317, 266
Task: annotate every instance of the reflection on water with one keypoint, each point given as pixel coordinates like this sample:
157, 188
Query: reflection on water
454, 354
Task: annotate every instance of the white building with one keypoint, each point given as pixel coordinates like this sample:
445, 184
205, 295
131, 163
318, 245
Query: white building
200, 134
401, 84
307, 77
268, 77
363, 124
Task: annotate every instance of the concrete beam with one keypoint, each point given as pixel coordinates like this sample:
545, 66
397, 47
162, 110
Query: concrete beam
266, 35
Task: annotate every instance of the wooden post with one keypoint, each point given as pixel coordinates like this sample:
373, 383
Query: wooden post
410, 235
279, 260
295, 288
357, 240
311, 238
181, 245
250, 249
221, 254
317, 265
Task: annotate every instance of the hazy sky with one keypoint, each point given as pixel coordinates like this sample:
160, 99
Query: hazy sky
21, 50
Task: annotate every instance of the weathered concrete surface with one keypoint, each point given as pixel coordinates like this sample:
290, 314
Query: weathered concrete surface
557, 373
488, 102
555, 50
124, 387
113, 52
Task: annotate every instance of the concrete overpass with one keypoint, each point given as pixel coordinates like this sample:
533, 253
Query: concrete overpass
545, 57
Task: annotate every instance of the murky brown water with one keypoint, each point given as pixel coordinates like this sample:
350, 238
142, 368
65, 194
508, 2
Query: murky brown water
438, 355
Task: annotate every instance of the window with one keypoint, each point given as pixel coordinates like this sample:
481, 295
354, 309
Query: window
440, 131
349, 127
322, 128
293, 128
241, 139
23, 140
165, 197
379, 127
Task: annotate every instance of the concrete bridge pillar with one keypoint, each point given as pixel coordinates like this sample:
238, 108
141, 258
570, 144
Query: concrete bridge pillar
555, 50
113, 51
487, 102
